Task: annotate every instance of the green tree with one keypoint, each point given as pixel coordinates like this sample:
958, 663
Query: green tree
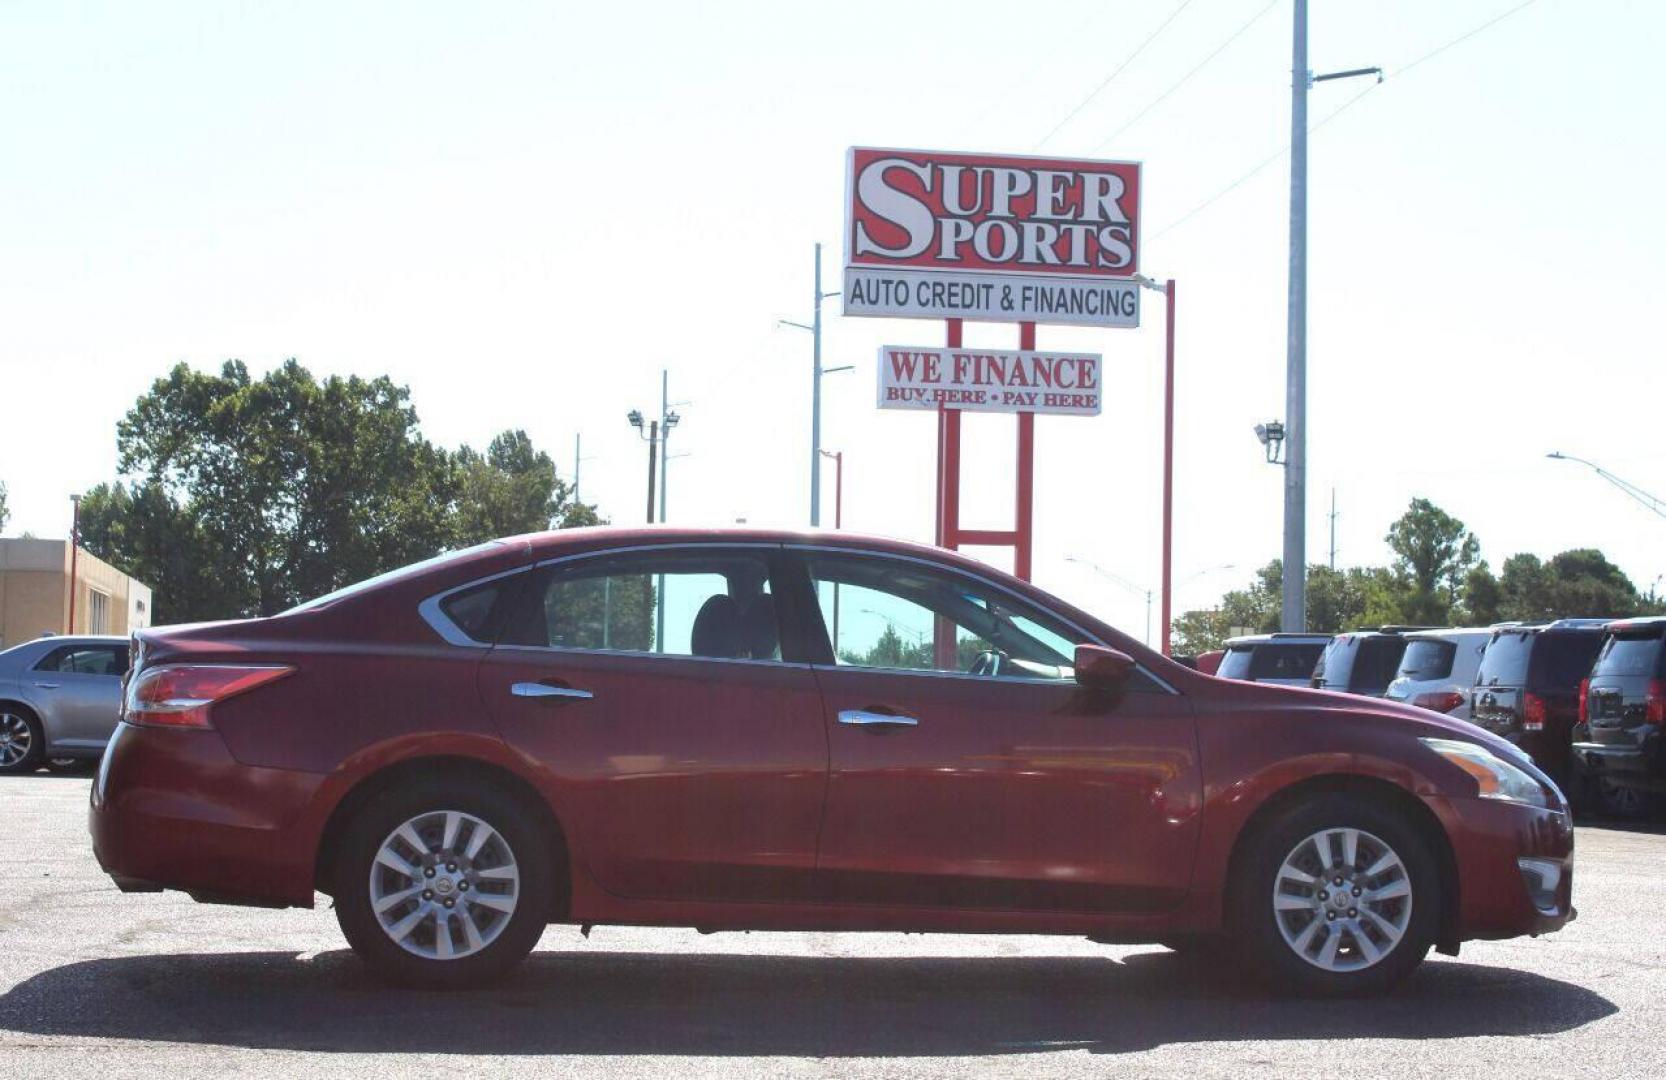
5, 513
250, 495
141, 530
1482, 599
1434, 553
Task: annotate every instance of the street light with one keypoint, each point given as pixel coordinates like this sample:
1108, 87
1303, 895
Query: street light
817, 371
1649, 501
1271, 435
651, 436
1141, 590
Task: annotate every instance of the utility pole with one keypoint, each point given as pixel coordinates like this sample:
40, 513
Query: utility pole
1294, 619
816, 372
578, 459
1295, 407
1333, 528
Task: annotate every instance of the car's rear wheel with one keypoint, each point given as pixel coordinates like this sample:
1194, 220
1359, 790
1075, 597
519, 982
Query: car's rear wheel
1620, 801
443, 883
1337, 895
22, 743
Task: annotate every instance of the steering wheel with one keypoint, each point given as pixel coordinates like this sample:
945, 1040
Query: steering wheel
988, 663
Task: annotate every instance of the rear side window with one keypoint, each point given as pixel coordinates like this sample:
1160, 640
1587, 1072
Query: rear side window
1562, 660
1426, 659
1377, 660
1236, 663
1630, 654
1282, 661
1337, 663
1505, 661
472, 610
86, 660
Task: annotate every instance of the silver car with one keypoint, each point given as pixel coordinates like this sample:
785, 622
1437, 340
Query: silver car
59, 700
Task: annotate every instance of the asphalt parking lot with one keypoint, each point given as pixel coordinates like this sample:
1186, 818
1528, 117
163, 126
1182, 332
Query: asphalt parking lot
93, 983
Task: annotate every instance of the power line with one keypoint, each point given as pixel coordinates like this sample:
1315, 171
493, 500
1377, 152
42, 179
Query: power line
1236, 34
1344, 107
1120, 68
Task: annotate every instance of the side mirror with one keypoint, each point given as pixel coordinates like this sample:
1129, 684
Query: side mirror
1099, 668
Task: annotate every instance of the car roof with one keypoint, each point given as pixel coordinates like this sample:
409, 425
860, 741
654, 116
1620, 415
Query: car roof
1641, 622
1451, 632
1276, 639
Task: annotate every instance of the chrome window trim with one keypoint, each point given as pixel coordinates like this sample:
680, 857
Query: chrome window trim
639, 654
867, 553
441, 623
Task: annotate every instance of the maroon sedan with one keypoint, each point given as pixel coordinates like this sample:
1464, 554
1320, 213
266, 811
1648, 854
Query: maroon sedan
770, 731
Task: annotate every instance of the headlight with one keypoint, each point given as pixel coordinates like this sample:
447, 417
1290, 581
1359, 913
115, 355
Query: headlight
1494, 777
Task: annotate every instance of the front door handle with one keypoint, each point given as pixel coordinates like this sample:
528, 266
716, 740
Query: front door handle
545, 690
867, 717
48, 685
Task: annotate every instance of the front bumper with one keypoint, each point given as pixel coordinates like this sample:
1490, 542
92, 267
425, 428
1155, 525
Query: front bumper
1491, 841
172, 808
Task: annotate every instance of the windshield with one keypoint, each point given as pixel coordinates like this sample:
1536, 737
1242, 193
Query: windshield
1631, 654
1426, 659
1505, 661
370, 583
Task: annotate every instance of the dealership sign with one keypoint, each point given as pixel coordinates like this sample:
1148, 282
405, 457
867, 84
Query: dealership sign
989, 380
991, 238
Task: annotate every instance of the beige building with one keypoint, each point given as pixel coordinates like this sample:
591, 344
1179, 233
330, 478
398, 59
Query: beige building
35, 593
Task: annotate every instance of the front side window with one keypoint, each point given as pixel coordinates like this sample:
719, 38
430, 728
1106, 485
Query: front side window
716, 605
890, 613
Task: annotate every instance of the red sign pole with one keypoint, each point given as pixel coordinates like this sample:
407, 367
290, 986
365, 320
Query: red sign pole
1024, 512
1168, 466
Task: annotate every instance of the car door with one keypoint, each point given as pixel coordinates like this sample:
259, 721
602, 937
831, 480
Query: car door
78, 688
968, 769
687, 757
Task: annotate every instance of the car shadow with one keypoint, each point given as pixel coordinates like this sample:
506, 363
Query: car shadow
724, 1004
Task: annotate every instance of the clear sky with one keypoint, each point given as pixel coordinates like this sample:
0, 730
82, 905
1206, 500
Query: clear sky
525, 211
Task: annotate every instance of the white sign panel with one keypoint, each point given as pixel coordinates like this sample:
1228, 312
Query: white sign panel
989, 380
981, 297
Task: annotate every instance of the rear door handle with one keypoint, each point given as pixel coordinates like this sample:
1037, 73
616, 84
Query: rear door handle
48, 685
545, 690
866, 717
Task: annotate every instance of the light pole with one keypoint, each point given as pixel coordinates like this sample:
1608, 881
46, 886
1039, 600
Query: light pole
838, 457
1294, 618
652, 438
74, 552
816, 372
1141, 590
668, 419
1649, 501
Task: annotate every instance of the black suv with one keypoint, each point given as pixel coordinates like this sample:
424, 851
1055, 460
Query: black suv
1618, 744
1362, 662
1527, 688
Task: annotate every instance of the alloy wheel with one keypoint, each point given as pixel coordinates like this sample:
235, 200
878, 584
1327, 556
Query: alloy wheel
444, 885
1342, 899
17, 738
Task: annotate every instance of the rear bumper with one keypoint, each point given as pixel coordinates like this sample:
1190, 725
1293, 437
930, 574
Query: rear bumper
1490, 841
1640, 767
173, 809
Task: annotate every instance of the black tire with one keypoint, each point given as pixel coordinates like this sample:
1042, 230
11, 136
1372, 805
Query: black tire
1620, 802
1256, 925
70, 766
517, 824
11, 716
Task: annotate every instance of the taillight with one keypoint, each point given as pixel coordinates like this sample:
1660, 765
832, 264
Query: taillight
180, 695
1532, 712
1655, 707
1584, 705
1439, 700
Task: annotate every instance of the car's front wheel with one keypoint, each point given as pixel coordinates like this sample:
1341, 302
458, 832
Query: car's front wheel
443, 883
1336, 895
22, 743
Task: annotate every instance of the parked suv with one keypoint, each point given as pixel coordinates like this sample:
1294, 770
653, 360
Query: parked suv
1363, 662
1438, 668
1618, 741
1527, 688
1283, 659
